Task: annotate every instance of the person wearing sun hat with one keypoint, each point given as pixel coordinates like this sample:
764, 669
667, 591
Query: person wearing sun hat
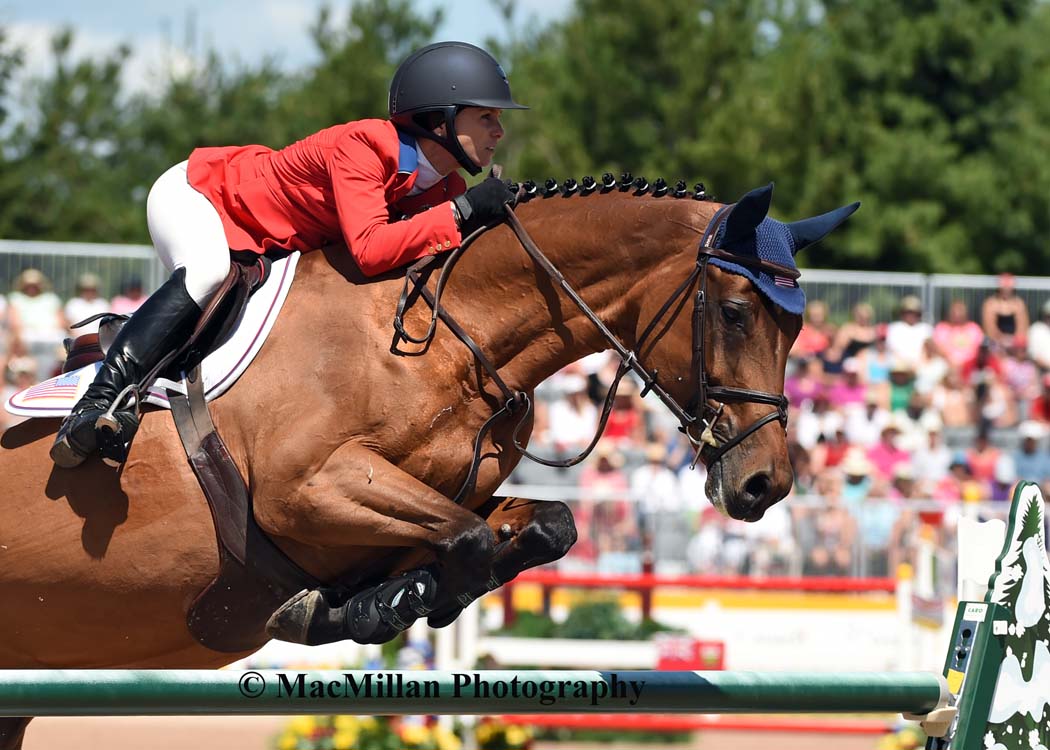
572, 419
906, 335
887, 454
932, 459
858, 473
1031, 457
36, 319
87, 302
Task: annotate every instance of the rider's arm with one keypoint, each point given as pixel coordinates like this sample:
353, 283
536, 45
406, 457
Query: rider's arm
359, 180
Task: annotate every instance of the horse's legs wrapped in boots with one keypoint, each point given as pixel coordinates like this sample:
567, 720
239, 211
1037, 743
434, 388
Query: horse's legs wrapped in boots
163, 323
373, 615
547, 534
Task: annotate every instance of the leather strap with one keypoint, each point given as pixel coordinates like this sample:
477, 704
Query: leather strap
255, 576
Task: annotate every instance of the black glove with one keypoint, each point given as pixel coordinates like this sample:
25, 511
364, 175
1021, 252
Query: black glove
483, 204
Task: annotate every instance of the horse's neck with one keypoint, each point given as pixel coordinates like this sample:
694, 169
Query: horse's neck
612, 249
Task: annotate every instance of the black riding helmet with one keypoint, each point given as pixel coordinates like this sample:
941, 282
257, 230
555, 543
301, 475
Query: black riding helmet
443, 78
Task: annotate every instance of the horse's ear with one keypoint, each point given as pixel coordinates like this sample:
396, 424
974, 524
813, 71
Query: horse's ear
807, 231
747, 214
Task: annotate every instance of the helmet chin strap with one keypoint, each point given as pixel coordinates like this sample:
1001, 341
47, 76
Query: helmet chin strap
451, 143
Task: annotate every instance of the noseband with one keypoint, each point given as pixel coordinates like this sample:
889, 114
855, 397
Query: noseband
697, 416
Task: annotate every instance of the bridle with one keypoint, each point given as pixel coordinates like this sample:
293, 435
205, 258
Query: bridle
697, 416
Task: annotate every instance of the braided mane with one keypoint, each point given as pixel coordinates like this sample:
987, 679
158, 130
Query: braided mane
627, 183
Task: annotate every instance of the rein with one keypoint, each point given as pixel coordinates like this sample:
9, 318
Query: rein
690, 418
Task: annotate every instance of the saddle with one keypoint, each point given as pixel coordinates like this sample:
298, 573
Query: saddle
255, 577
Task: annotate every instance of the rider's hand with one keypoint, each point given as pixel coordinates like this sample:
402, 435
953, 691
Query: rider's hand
483, 204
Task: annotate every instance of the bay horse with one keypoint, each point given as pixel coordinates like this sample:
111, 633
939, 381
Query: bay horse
352, 453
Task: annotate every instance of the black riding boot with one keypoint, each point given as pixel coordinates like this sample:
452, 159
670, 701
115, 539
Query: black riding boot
160, 326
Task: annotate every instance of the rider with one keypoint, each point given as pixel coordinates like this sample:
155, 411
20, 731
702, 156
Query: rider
348, 183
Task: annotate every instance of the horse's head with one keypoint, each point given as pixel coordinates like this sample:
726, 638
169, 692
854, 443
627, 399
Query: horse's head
748, 303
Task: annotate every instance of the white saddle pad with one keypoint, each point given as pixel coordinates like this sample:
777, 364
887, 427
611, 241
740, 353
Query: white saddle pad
57, 396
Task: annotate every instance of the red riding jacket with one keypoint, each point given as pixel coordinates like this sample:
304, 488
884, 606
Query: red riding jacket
346, 183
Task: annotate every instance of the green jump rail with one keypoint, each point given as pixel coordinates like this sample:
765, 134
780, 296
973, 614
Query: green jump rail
200, 692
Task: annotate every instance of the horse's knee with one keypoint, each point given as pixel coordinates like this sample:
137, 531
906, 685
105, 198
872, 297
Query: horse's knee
471, 548
550, 533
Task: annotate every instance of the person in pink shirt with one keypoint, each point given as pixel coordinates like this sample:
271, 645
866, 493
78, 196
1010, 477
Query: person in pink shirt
982, 458
1020, 373
806, 383
848, 390
817, 332
885, 455
130, 298
958, 337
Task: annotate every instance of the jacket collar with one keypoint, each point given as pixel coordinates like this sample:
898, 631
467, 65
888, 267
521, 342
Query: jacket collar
407, 160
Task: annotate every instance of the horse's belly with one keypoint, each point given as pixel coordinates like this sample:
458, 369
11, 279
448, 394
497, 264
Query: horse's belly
98, 567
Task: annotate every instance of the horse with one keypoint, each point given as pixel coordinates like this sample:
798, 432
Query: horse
352, 453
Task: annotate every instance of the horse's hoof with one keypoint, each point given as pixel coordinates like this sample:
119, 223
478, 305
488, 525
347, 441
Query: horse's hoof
306, 618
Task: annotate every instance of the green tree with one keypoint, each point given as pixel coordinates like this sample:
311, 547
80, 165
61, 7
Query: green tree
59, 153
10, 62
352, 78
622, 84
914, 108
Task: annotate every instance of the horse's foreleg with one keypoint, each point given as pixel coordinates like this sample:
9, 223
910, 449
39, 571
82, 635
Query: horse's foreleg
359, 498
532, 532
12, 730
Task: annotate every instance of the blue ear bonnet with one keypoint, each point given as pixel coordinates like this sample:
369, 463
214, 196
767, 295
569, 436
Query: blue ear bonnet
771, 241
748, 232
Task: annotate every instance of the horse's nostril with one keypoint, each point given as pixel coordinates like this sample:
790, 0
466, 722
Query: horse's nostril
758, 488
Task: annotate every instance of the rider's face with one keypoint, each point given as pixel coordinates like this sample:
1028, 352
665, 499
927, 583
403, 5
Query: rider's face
479, 130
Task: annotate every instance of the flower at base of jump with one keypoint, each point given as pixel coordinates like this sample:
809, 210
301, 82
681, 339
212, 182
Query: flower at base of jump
413, 734
907, 738
303, 725
346, 723
446, 739
484, 732
517, 736
344, 739
287, 741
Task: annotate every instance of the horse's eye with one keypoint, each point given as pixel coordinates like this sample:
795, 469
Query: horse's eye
732, 315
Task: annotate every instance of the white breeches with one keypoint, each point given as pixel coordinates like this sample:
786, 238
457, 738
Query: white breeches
187, 233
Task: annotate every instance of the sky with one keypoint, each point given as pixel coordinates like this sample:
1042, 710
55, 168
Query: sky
246, 29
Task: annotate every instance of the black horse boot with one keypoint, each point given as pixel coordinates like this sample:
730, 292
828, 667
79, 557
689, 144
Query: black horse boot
163, 323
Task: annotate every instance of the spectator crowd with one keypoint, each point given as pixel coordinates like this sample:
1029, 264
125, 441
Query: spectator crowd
893, 426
